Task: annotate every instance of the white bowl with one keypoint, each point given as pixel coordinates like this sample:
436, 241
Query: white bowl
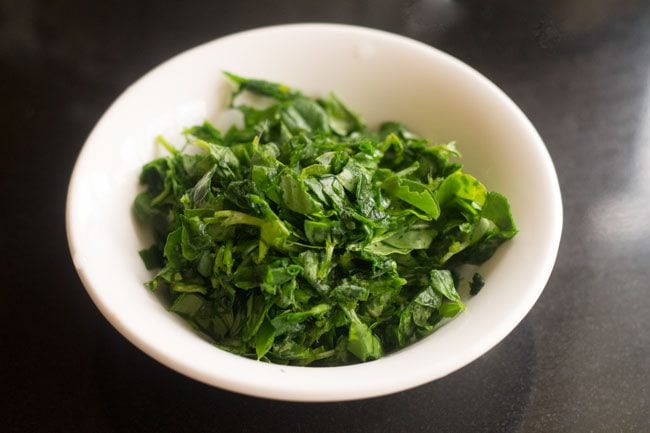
383, 77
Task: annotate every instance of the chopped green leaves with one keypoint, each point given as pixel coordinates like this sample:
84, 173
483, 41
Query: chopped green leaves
304, 238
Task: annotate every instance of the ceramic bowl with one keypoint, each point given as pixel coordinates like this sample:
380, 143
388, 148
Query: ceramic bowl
380, 75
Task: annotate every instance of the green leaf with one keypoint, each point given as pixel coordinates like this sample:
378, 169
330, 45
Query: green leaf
173, 251
143, 209
413, 193
152, 257
451, 309
428, 298
347, 293
187, 304
362, 343
463, 190
225, 160
194, 238
497, 210
206, 132
341, 120
256, 309
295, 195
289, 322
405, 328
312, 113
277, 274
188, 287
248, 277
443, 283
202, 190
262, 87
476, 284
264, 338
272, 229
415, 237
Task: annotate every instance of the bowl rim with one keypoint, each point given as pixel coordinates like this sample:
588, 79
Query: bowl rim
294, 394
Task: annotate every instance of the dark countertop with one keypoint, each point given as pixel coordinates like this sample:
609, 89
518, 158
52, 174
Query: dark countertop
580, 360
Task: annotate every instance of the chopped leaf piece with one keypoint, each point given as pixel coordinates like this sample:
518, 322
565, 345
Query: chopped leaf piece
362, 343
264, 338
152, 257
477, 284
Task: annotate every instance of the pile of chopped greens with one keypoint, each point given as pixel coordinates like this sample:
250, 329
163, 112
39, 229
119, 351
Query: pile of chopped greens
302, 237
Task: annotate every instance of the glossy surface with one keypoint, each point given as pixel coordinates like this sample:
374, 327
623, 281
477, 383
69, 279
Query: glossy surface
434, 94
578, 362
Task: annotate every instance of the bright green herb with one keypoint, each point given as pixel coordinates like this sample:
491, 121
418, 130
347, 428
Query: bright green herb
302, 237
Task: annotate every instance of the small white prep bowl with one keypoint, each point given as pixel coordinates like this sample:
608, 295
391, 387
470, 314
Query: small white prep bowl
383, 77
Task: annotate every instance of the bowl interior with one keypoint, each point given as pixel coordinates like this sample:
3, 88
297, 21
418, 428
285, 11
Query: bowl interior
382, 77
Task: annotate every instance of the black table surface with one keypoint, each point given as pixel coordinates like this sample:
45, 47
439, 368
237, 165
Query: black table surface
579, 361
